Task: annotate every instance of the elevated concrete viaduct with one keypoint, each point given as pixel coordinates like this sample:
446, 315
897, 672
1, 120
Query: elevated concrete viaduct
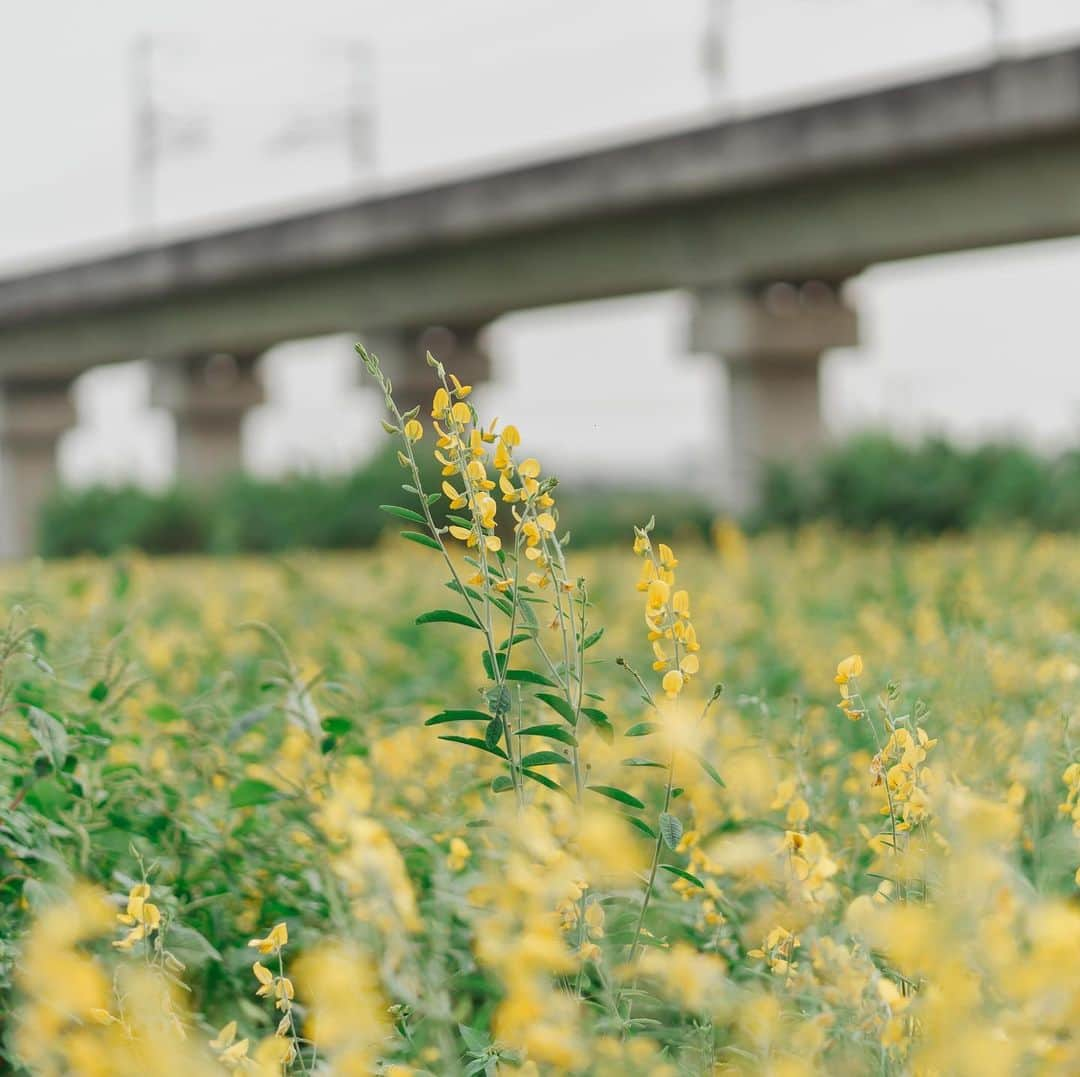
761, 218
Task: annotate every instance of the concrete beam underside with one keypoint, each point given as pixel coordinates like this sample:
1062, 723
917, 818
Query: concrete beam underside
828, 226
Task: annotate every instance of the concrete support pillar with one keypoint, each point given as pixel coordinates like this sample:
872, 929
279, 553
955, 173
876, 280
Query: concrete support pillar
209, 396
34, 412
772, 340
402, 355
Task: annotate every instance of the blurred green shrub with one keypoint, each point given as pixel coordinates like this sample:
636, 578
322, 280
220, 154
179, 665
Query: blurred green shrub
246, 514
104, 519
606, 516
869, 482
874, 481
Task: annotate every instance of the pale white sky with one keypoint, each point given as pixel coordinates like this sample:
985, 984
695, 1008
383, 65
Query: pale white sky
973, 344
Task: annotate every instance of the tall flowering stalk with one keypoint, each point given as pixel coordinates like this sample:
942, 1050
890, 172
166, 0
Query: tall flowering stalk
675, 647
505, 588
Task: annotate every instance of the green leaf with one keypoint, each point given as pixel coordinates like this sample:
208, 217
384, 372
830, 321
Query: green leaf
451, 617
600, 723
252, 791
545, 781
544, 759
191, 946
489, 668
640, 824
50, 797
637, 761
476, 742
493, 733
710, 770
443, 717
642, 729
519, 637
552, 732
477, 1042
528, 676
558, 705
420, 539
99, 692
50, 734
501, 784
337, 725
498, 601
621, 795
671, 829
403, 514
683, 875
592, 639
163, 712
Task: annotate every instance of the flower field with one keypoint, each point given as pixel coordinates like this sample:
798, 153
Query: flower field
258, 818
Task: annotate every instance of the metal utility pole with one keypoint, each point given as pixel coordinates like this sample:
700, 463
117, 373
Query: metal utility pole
716, 49
996, 14
360, 109
144, 133
156, 132
350, 122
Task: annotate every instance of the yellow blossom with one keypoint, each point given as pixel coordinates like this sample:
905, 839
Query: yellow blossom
274, 941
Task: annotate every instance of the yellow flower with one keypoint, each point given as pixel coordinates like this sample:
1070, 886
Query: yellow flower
225, 1037
414, 430
235, 1055
658, 594
283, 992
690, 665
265, 978
852, 666
440, 404
274, 1051
459, 854
457, 501
141, 916
461, 413
460, 391
278, 937
672, 683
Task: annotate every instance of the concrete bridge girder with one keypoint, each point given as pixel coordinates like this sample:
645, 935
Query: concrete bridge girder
971, 159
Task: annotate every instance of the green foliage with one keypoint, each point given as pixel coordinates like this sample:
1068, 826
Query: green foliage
317, 512
102, 520
604, 516
874, 481
870, 481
